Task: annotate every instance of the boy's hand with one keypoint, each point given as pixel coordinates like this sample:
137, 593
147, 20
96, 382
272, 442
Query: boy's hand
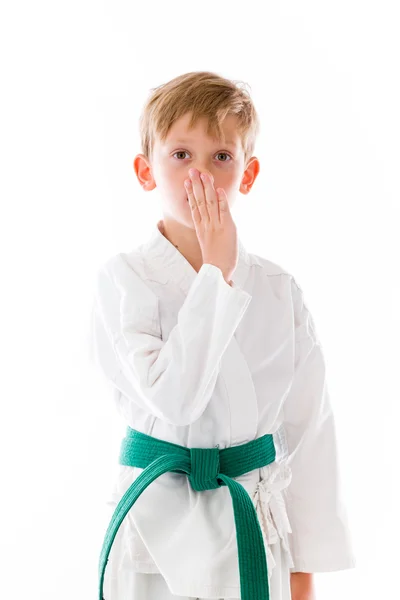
215, 228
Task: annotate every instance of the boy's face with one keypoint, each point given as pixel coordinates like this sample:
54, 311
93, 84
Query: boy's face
185, 149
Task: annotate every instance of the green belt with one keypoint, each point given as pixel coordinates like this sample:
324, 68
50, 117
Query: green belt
207, 469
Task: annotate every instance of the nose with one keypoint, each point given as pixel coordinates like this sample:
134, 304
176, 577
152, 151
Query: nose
205, 171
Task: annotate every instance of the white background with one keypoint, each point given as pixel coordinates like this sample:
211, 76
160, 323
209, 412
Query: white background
324, 78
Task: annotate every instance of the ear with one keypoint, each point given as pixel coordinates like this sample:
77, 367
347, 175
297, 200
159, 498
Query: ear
142, 168
249, 175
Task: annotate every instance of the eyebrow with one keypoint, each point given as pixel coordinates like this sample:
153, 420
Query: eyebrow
182, 141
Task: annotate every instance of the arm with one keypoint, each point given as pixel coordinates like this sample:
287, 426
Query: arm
320, 539
172, 379
302, 586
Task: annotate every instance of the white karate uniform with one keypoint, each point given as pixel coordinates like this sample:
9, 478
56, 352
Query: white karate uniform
199, 363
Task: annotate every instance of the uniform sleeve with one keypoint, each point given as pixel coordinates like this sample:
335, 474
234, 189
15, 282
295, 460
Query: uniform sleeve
320, 540
172, 379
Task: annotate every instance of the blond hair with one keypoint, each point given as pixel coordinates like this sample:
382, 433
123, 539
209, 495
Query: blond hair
204, 94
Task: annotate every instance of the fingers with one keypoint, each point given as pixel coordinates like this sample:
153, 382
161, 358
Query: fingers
203, 199
192, 202
199, 195
211, 198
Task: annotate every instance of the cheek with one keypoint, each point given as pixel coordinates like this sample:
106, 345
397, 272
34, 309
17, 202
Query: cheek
229, 181
171, 178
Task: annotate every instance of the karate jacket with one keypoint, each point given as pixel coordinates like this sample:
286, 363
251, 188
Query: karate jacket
199, 363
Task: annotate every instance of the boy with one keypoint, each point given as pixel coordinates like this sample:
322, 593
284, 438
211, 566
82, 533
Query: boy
229, 484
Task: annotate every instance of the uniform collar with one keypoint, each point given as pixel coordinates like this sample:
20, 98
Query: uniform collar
163, 262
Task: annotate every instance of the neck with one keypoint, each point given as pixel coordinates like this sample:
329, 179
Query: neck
184, 239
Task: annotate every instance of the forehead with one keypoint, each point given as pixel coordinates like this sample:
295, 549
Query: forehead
180, 132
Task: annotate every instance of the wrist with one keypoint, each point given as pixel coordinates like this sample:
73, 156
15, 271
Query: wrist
302, 586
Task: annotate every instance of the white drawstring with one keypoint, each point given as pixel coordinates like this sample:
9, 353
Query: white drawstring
271, 510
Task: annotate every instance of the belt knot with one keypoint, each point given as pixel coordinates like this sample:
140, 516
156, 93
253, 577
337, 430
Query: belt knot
205, 469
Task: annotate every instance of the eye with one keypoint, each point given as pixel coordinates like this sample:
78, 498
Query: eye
218, 154
180, 152
226, 154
